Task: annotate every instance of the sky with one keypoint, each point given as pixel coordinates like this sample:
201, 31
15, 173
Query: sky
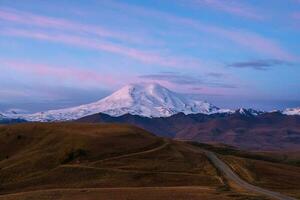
232, 53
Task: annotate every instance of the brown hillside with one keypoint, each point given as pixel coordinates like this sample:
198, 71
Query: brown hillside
109, 161
274, 176
67, 155
265, 132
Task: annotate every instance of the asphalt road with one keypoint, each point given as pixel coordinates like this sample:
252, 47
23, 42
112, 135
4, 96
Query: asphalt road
234, 177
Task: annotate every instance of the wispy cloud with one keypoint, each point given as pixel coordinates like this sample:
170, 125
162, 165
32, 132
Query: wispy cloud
11, 93
215, 74
247, 39
69, 31
233, 7
189, 80
143, 56
62, 74
256, 43
174, 78
260, 64
26, 18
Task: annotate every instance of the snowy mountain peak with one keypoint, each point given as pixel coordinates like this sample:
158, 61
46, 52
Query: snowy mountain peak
132, 92
145, 99
292, 111
249, 112
152, 100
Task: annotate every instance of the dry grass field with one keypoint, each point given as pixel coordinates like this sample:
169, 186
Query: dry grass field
144, 193
48, 161
278, 177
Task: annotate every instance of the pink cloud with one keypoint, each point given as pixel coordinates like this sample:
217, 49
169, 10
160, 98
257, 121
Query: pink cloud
246, 39
255, 42
26, 18
62, 73
231, 7
249, 40
296, 15
143, 56
187, 89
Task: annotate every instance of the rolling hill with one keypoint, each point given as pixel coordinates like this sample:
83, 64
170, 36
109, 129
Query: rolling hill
113, 161
37, 156
267, 131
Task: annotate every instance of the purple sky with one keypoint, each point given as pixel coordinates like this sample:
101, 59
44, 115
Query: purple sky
235, 53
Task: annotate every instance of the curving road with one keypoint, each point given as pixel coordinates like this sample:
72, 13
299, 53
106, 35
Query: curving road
234, 177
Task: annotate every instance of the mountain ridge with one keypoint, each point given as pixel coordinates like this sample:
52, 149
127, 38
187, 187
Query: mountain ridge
292, 111
144, 99
149, 100
266, 131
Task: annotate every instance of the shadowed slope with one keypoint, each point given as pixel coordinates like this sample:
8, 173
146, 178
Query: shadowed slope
268, 131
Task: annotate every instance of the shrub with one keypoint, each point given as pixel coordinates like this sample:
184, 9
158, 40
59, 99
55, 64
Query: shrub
73, 155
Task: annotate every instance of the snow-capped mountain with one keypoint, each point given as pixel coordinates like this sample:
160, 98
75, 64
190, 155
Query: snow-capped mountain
248, 112
149, 100
4, 119
291, 111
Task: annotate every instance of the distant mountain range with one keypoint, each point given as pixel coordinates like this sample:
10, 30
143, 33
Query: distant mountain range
245, 129
10, 120
147, 100
166, 113
292, 111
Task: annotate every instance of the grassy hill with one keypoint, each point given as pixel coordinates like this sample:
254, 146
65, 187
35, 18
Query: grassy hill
39, 156
274, 176
106, 161
277, 171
